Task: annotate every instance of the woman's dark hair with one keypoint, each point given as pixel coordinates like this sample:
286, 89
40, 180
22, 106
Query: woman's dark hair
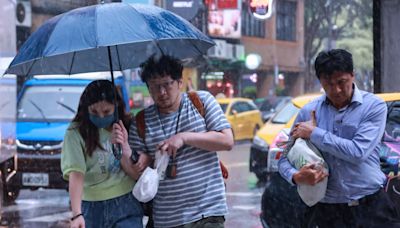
335, 60
161, 67
99, 90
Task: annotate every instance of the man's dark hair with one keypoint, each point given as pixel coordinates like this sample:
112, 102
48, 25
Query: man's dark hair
160, 67
335, 60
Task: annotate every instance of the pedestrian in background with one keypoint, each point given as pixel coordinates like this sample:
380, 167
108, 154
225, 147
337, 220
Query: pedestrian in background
193, 193
99, 189
349, 125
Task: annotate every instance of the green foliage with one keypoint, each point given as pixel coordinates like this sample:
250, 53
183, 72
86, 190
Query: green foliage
348, 22
250, 92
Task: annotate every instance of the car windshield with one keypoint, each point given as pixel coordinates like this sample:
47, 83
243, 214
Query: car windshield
285, 114
392, 129
223, 107
49, 103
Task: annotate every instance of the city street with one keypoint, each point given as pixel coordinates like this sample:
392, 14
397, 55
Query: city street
50, 208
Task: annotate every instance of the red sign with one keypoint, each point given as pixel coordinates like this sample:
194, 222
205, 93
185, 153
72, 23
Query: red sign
227, 4
261, 9
221, 4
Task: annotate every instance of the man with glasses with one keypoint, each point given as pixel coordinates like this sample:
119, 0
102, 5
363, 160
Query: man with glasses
193, 194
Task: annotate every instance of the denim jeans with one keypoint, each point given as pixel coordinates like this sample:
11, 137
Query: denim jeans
123, 211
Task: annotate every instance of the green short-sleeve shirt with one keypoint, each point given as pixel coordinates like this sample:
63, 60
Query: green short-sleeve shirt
103, 176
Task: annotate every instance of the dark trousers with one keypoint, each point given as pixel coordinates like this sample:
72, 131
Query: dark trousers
208, 222
374, 210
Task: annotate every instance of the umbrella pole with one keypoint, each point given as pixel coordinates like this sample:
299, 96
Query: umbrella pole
116, 151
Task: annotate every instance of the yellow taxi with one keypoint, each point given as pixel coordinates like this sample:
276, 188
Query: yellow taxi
284, 118
243, 115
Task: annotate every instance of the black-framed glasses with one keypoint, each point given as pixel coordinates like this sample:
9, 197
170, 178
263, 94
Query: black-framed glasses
157, 87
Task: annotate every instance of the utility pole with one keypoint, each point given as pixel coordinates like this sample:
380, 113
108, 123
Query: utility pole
376, 28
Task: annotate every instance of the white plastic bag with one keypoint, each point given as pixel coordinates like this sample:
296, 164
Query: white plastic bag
162, 162
146, 187
302, 153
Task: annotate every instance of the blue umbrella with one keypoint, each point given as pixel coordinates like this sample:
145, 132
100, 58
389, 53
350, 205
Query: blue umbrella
88, 38
107, 37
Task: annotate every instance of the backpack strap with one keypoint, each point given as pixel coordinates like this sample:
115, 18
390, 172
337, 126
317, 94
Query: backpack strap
196, 101
140, 124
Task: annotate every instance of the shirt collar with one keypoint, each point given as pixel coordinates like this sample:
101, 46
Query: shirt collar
356, 98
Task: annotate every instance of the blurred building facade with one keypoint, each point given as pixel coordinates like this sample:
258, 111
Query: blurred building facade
275, 37
276, 40
7, 28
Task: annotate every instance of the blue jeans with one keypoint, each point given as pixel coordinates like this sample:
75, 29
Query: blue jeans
123, 211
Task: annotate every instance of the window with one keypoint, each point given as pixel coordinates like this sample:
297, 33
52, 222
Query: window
285, 114
250, 25
286, 20
237, 107
223, 107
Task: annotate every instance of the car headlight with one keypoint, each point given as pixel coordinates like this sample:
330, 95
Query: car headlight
260, 142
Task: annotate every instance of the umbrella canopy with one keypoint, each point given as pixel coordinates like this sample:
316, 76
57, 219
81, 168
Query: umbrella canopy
87, 38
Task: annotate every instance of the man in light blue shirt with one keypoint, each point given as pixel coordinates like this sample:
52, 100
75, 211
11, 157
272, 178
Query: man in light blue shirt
349, 126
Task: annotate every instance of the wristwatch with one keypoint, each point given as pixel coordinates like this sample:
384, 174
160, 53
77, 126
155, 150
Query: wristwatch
134, 156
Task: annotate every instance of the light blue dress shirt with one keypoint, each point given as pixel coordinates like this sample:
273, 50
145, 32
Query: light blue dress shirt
347, 139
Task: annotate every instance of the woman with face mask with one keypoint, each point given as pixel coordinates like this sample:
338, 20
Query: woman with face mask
99, 188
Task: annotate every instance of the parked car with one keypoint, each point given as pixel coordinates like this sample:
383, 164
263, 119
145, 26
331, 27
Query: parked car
46, 106
284, 118
271, 104
281, 205
243, 115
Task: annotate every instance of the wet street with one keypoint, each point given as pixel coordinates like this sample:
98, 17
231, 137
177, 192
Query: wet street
50, 208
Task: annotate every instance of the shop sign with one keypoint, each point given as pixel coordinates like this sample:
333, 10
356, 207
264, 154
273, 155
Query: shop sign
224, 23
185, 8
227, 4
261, 9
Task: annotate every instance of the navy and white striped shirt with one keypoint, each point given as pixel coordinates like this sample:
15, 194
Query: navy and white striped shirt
198, 190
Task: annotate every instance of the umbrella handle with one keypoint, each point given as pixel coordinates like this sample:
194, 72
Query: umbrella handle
117, 151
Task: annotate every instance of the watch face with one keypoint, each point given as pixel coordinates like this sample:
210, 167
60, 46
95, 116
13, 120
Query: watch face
134, 156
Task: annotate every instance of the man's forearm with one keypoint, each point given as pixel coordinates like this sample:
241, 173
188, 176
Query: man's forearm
210, 141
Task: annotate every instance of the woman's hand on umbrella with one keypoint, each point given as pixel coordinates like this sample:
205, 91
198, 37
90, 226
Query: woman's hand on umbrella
119, 135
